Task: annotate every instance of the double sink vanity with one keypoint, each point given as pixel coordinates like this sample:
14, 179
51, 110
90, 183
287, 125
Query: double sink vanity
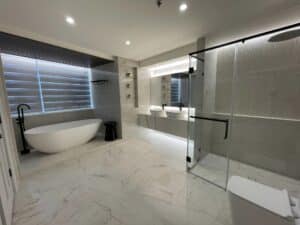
171, 113
168, 97
168, 121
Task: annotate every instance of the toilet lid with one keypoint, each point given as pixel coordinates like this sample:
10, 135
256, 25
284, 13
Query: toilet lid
274, 200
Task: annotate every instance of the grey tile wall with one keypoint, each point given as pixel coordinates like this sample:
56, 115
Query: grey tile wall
106, 96
266, 109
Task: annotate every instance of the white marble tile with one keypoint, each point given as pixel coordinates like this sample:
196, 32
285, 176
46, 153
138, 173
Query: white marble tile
138, 180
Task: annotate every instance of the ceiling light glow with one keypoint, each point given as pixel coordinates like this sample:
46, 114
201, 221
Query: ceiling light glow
128, 42
183, 7
70, 20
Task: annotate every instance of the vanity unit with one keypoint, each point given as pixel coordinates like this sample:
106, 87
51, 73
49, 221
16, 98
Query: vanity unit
174, 124
168, 97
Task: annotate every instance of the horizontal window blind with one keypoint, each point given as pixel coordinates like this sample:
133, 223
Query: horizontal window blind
175, 91
45, 86
63, 86
21, 82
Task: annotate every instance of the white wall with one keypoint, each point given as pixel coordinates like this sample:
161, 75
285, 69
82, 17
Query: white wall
173, 54
156, 91
144, 89
128, 95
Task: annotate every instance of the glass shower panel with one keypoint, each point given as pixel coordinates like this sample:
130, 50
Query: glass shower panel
265, 138
210, 114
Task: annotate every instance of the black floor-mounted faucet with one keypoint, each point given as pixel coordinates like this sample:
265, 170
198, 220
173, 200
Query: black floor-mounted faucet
21, 123
180, 105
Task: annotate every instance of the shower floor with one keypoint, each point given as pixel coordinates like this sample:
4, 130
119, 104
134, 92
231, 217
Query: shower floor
213, 167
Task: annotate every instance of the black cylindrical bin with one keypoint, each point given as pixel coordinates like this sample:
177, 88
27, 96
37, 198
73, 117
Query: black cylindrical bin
110, 131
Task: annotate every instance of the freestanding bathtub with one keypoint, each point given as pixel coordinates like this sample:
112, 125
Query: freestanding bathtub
59, 137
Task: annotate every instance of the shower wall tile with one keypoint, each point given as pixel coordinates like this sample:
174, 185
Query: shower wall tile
260, 55
271, 144
285, 95
225, 63
267, 79
275, 68
223, 96
224, 77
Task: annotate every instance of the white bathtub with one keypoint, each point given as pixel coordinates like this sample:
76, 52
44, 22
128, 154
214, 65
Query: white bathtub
59, 137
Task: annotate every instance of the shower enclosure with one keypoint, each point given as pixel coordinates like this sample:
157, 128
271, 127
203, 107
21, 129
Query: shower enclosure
244, 109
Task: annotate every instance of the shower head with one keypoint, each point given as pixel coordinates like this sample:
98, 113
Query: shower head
287, 35
159, 3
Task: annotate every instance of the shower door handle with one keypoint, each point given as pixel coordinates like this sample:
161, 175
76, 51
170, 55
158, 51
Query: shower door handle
226, 121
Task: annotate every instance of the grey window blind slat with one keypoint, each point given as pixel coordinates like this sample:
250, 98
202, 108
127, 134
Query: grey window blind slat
65, 92
45, 86
64, 83
35, 107
21, 80
60, 79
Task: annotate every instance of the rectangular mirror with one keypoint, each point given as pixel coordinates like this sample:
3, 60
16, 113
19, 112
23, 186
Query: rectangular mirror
171, 90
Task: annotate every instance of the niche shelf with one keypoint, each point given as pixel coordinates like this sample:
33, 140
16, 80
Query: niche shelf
99, 81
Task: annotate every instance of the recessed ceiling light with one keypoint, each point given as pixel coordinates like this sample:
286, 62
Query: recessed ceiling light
70, 20
183, 7
127, 42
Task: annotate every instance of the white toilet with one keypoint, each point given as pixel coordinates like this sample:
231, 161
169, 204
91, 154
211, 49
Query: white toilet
253, 203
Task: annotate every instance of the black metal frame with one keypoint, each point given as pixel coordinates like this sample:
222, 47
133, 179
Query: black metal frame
226, 121
21, 122
243, 40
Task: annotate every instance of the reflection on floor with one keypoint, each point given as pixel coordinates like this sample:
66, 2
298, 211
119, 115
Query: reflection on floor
213, 168
139, 180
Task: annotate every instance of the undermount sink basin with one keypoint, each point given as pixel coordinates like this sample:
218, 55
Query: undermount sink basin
176, 114
158, 112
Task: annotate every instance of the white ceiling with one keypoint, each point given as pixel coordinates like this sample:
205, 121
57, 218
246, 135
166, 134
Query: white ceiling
104, 25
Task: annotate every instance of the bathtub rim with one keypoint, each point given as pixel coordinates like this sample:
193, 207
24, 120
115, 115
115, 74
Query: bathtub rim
43, 129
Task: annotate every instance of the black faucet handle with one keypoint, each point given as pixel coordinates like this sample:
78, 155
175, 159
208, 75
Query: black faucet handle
180, 105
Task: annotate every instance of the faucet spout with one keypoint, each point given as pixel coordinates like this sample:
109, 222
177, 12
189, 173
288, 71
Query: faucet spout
23, 105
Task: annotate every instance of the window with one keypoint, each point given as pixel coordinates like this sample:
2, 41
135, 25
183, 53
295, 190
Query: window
175, 91
45, 86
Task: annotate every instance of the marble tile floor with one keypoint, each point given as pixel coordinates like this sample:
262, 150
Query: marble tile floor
138, 180
123, 182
